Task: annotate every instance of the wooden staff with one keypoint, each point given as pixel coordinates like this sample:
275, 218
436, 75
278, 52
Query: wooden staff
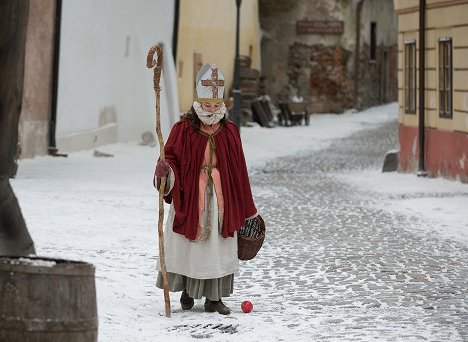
151, 63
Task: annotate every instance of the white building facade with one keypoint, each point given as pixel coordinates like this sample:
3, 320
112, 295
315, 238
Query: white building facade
104, 89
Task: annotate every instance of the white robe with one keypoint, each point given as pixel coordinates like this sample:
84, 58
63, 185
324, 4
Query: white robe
214, 258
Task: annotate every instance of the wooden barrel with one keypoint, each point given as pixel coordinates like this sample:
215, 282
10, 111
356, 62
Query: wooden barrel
249, 86
249, 74
43, 299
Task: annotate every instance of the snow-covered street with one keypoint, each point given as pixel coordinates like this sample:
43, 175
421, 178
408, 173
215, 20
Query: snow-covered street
351, 254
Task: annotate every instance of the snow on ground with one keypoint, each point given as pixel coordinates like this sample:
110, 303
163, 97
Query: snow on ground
441, 203
103, 210
261, 144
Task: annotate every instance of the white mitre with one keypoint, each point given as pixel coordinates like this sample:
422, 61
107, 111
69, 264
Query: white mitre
210, 84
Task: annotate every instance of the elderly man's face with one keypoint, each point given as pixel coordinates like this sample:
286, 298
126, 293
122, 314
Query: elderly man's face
211, 106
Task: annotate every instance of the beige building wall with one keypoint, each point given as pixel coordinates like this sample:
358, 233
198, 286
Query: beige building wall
444, 18
208, 28
33, 126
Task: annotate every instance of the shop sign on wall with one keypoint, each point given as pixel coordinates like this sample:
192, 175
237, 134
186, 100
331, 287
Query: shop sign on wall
319, 27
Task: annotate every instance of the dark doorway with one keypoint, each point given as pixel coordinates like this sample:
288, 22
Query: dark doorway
373, 41
385, 75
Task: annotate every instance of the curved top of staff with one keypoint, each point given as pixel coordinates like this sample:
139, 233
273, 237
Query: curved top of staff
151, 63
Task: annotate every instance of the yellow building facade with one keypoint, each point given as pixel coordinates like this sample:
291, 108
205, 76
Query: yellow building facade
445, 90
207, 34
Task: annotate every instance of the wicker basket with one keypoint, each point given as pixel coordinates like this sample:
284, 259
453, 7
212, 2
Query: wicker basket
250, 238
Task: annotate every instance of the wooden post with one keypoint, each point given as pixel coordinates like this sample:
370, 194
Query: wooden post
151, 63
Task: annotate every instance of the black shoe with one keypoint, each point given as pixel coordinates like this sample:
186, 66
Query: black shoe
186, 302
216, 306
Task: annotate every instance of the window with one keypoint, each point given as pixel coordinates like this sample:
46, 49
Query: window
445, 77
373, 41
410, 77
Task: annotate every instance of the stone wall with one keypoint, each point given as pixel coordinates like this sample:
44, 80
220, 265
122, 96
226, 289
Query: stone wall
318, 73
378, 79
320, 67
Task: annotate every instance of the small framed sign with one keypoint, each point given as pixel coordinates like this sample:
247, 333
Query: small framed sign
319, 27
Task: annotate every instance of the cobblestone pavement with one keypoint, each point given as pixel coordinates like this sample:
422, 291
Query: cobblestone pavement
382, 279
334, 268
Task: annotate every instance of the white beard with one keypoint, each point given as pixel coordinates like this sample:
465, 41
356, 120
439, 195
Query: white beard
209, 118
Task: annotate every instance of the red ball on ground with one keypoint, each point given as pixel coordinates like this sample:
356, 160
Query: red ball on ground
247, 306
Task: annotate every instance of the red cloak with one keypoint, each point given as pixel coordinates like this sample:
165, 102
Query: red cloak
184, 152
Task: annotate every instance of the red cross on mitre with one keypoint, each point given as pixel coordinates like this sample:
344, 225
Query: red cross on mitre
214, 82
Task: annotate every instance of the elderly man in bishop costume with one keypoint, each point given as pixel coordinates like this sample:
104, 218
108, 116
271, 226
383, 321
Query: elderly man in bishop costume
209, 192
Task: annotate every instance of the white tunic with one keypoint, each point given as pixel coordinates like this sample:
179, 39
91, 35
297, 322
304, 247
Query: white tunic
214, 258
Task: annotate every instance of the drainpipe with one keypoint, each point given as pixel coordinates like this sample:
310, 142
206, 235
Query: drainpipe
52, 148
422, 85
175, 31
236, 110
357, 52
